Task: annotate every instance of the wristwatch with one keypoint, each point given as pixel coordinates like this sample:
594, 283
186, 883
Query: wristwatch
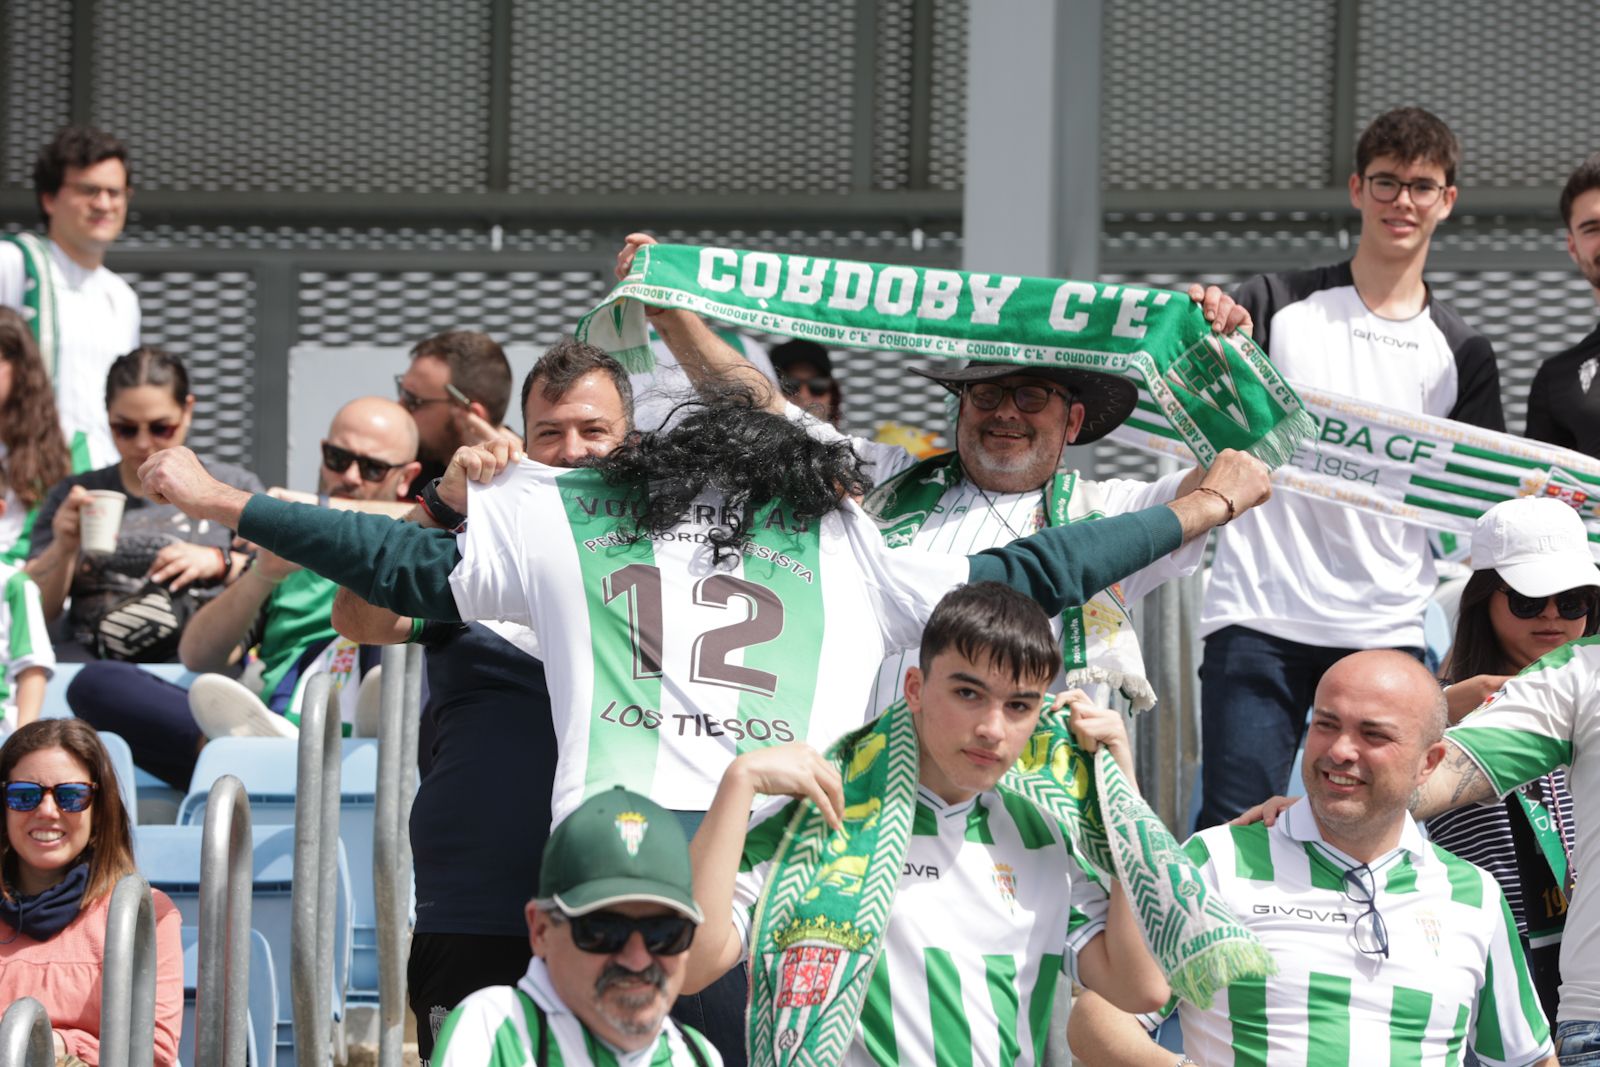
438, 510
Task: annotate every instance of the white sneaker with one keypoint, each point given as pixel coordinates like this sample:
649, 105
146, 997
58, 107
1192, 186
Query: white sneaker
369, 703
224, 708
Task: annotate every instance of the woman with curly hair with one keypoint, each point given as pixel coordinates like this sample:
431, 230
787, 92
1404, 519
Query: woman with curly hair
33, 453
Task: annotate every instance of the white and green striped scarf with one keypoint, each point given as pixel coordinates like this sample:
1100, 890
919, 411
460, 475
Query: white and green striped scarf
1215, 393
834, 890
39, 295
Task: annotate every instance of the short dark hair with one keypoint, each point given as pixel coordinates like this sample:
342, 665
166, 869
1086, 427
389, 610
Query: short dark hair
1586, 177
74, 146
993, 623
110, 849
1410, 134
478, 367
148, 365
568, 360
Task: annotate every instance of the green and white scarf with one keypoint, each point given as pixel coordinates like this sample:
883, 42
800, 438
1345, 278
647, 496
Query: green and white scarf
832, 892
1420, 469
1215, 393
1098, 640
39, 295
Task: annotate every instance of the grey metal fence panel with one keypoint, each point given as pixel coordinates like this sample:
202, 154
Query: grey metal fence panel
1177, 113
209, 321
947, 110
35, 56
681, 95
1515, 81
891, 96
297, 95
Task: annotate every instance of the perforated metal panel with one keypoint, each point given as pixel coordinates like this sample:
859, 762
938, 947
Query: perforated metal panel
1192, 100
1514, 81
398, 239
682, 95
298, 95
36, 50
403, 308
208, 320
940, 247
947, 158
891, 96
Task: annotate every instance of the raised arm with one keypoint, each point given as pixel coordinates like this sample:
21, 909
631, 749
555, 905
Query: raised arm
704, 356
1456, 782
214, 638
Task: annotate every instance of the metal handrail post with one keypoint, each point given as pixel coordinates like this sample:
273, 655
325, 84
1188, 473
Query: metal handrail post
222, 994
128, 980
314, 897
391, 852
25, 1039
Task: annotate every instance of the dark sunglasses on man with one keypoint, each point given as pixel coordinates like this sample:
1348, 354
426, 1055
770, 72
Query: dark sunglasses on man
71, 797
1571, 605
339, 459
606, 932
1029, 399
816, 385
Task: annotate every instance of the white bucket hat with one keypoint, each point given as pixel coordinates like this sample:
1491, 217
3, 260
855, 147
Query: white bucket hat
1537, 544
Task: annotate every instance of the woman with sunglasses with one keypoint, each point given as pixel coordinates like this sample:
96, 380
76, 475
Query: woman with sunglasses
65, 844
1533, 589
132, 604
33, 452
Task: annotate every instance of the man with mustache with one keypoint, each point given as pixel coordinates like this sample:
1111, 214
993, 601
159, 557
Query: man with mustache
1563, 404
610, 929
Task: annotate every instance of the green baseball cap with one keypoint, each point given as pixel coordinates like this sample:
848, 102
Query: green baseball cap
617, 847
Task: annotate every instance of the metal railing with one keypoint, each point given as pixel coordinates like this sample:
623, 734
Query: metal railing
128, 977
222, 996
391, 841
25, 1039
316, 860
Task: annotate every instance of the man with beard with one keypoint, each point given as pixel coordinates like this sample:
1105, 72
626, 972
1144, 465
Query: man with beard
457, 389
1389, 948
1563, 404
610, 930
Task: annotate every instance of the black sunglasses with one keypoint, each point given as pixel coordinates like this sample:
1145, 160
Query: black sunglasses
71, 797
1372, 936
816, 384
339, 459
1570, 605
606, 932
1030, 399
160, 429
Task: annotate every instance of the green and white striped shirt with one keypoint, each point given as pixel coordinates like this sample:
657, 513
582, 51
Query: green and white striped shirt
499, 1027
1546, 717
23, 637
1454, 976
991, 908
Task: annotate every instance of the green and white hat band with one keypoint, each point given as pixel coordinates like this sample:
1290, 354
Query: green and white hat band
618, 847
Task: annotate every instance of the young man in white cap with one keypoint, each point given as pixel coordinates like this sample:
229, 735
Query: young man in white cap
610, 928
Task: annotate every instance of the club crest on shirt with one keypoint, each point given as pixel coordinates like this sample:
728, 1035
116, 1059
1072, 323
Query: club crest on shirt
1586, 371
631, 827
1005, 881
1429, 924
807, 973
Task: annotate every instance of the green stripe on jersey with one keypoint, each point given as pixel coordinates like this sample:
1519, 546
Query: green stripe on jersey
1247, 1015
1041, 1006
1328, 1019
1466, 881
794, 661
761, 843
1486, 1039
978, 823
1532, 1010
924, 823
952, 1037
1511, 757
1402, 877
1031, 826
1408, 1026
1000, 973
626, 676
1458, 1037
1195, 848
877, 1017
1252, 853
17, 606
1324, 874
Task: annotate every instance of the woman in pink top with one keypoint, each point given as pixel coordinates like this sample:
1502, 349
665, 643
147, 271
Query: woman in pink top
65, 844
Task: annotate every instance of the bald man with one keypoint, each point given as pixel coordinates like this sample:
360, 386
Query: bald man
368, 459
1389, 949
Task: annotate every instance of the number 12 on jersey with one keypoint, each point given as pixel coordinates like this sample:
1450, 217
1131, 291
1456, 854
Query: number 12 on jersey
640, 584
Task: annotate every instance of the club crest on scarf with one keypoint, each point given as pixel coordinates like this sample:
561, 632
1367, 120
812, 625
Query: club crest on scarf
631, 826
1203, 373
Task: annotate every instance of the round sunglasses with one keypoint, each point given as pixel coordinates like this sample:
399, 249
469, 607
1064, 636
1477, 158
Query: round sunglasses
71, 797
606, 932
1571, 605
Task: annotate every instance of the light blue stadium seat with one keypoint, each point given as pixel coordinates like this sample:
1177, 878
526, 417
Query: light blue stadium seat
122, 761
169, 857
268, 767
261, 1041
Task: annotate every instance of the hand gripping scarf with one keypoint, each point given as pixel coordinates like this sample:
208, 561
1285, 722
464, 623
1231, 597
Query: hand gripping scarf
1098, 639
1213, 392
826, 905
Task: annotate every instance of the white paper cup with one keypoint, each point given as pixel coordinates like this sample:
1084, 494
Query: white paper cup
100, 520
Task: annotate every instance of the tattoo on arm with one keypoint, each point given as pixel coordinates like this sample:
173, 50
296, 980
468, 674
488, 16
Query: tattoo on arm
1458, 781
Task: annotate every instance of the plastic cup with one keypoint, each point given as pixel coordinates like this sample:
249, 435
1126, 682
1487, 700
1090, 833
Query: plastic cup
100, 519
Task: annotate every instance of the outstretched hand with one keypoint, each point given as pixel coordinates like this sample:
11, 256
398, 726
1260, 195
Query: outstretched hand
1240, 477
796, 770
1220, 310
175, 476
476, 463
1094, 726
630, 248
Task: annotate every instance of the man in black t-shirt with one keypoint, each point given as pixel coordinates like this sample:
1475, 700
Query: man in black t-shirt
1563, 403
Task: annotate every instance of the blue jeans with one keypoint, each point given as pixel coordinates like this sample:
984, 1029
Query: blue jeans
1254, 693
1578, 1042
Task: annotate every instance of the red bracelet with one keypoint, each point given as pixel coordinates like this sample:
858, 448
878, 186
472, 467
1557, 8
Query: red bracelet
1219, 496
